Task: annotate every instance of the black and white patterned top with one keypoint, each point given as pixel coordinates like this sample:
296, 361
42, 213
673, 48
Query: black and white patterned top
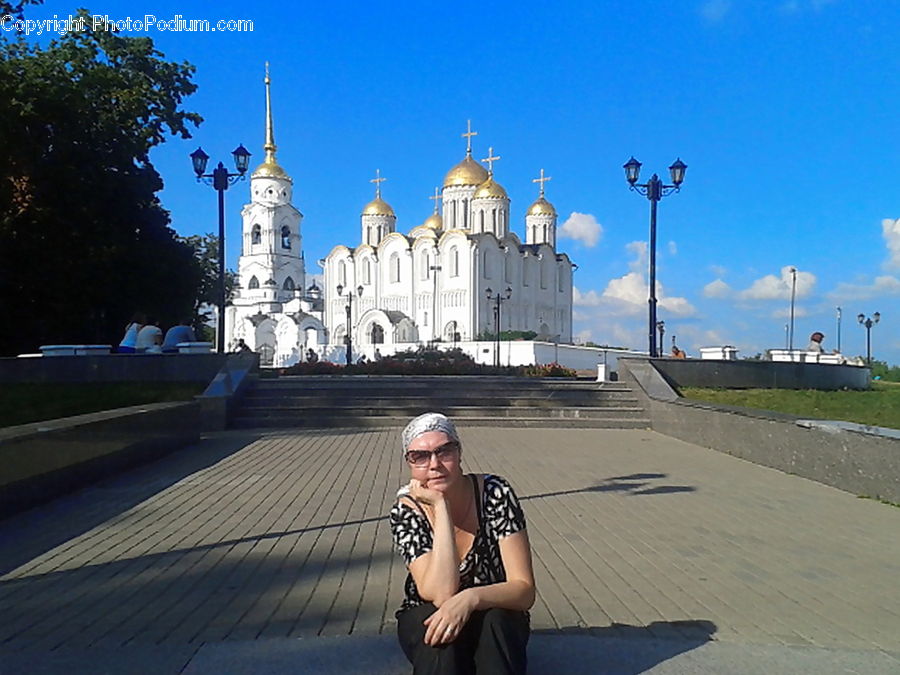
499, 515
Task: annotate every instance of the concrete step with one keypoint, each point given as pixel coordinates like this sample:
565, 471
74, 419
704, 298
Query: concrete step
355, 410
293, 400
389, 421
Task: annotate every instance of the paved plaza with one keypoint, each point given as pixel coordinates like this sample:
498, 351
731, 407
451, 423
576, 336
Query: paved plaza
270, 552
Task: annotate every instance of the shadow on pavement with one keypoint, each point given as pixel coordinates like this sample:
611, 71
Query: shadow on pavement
634, 484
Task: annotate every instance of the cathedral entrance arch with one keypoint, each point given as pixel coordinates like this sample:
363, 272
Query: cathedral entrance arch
451, 332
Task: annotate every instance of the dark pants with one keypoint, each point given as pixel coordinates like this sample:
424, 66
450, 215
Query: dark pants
492, 641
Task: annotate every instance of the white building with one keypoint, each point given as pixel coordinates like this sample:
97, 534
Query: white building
434, 283
272, 310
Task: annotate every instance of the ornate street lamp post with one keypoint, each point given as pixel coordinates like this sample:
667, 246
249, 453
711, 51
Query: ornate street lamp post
793, 297
838, 330
499, 298
348, 338
661, 327
654, 190
220, 179
867, 323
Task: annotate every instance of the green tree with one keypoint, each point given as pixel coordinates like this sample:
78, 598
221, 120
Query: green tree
206, 254
85, 240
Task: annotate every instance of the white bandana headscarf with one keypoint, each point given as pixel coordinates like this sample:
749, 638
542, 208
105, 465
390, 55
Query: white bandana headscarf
428, 422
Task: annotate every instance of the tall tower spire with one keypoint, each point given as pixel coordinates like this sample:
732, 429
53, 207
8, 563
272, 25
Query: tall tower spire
269, 167
270, 146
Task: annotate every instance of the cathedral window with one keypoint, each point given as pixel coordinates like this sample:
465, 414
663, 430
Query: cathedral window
254, 283
454, 262
487, 265
367, 272
526, 266
481, 221
342, 273
377, 334
543, 276
286, 237
256, 234
395, 268
288, 284
426, 266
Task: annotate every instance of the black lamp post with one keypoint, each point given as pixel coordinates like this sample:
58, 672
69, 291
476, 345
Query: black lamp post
839, 330
348, 339
654, 190
867, 323
220, 179
793, 298
499, 298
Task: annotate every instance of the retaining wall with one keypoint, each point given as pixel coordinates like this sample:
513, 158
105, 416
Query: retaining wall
112, 368
863, 462
762, 374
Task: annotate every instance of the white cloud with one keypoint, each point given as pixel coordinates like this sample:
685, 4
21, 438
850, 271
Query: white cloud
883, 285
717, 289
785, 313
890, 229
582, 227
715, 10
673, 248
771, 287
718, 270
589, 299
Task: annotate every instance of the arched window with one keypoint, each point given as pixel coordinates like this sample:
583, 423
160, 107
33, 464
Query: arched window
454, 262
367, 272
394, 266
254, 283
543, 275
256, 234
487, 265
286, 237
481, 221
507, 267
342, 273
426, 266
288, 284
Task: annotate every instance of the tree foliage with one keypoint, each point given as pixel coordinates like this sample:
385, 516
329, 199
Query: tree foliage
84, 241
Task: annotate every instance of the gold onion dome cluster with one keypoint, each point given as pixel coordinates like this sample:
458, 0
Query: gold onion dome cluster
467, 172
378, 207
541, 207
434, 221
490, 189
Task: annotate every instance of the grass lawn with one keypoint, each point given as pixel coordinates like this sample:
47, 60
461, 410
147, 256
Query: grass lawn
878, 407
24, 402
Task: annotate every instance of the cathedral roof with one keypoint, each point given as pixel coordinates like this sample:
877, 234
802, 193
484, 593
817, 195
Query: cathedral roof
270, 168
434, 222
467, 172
378, 207
490, 189
541, 207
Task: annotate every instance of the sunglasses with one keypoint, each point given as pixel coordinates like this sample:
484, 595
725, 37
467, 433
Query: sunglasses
445, 453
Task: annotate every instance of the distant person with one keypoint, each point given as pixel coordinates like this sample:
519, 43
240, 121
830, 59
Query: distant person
180, 333
815, 343
241, 347
129, 340
311, 356
678, 353
149, 338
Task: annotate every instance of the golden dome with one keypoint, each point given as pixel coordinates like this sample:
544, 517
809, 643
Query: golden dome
467, 172
541, 207
490, 190
378, 207
269, 170
434, 221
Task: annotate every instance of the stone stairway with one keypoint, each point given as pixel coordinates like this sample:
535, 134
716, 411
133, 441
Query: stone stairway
329, 401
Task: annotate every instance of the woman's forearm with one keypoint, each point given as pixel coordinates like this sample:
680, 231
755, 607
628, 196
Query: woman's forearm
442, 576
515, 595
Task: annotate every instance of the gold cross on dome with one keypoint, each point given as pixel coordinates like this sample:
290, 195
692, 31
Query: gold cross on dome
541, 180
490, 159
378, 180
436, 197
468, 136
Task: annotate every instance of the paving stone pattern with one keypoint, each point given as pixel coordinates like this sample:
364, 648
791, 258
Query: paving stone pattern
253, 536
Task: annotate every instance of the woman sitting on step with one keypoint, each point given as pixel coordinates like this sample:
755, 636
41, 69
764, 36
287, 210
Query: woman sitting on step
463, 539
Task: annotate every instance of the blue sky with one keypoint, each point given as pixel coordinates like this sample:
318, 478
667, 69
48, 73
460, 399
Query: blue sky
784, 110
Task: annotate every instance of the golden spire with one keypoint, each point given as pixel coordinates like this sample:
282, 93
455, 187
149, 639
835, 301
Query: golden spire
269, 147
269, 167
468, 136
541, 180
489, 160
378, 180
436, 198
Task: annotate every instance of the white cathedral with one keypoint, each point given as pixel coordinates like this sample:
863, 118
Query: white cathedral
439, 283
